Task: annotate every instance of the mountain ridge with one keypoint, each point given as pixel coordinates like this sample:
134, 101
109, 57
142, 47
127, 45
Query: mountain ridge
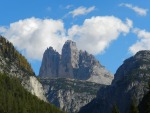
73, 64
130, 82
14, 64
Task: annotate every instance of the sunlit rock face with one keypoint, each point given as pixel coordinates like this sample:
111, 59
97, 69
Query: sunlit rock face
73, 64
34, 86
69, 60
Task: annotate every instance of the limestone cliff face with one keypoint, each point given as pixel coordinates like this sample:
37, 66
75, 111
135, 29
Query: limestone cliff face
34, 86
74, 64
69, 59
69, 95
50, 63
12, 63
130, 83
91, 70
68, 78
70, 54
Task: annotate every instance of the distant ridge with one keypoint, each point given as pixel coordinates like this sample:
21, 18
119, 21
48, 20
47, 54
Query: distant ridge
130, 84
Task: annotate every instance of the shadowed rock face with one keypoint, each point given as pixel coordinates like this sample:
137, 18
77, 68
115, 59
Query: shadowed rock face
69, 59
50, 63
130, 83
73, 64
140, 61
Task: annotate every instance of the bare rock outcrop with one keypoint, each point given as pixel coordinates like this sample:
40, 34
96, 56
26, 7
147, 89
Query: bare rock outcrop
73, 64
130, 84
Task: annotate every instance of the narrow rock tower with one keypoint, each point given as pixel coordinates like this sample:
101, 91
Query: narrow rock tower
73, 64
69, 59
50, 63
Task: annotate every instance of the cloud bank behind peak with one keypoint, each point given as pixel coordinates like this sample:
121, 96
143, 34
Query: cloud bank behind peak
34, 35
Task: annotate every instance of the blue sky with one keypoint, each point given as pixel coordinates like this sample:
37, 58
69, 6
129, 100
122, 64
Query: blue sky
112, 30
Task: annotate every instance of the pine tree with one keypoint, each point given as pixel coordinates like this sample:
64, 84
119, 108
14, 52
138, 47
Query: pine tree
133, 107
144, 106
15, 99
115, 109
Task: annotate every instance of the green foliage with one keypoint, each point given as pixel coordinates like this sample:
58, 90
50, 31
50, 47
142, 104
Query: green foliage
8, 51
115, 109
133, 107
15, 99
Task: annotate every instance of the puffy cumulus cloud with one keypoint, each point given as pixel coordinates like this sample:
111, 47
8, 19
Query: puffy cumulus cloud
3, 29
141, 33
143, 43
138, 10
81, 11
97, 33
33, 35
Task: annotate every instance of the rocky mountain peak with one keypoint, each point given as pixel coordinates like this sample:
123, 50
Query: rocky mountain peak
70, 54
139, 62
90, 59
73, 64
50, 63
144, 54
130, 83
70, 42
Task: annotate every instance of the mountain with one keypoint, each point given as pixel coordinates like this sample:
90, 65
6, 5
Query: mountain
72, 79
50, 63
73, 64
15, 99
68, 94
12, 63
130, 84
21, 91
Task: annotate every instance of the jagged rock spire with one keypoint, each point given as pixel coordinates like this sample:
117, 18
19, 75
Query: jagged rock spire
73, 64
50, 63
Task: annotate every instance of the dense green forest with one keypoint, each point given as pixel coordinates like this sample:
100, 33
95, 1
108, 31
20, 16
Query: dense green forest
15, 99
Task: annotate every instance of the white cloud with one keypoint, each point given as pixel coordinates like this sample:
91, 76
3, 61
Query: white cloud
143, 43
34, 35
81, 11
97, 33
68, 6
3, 29
138, 10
